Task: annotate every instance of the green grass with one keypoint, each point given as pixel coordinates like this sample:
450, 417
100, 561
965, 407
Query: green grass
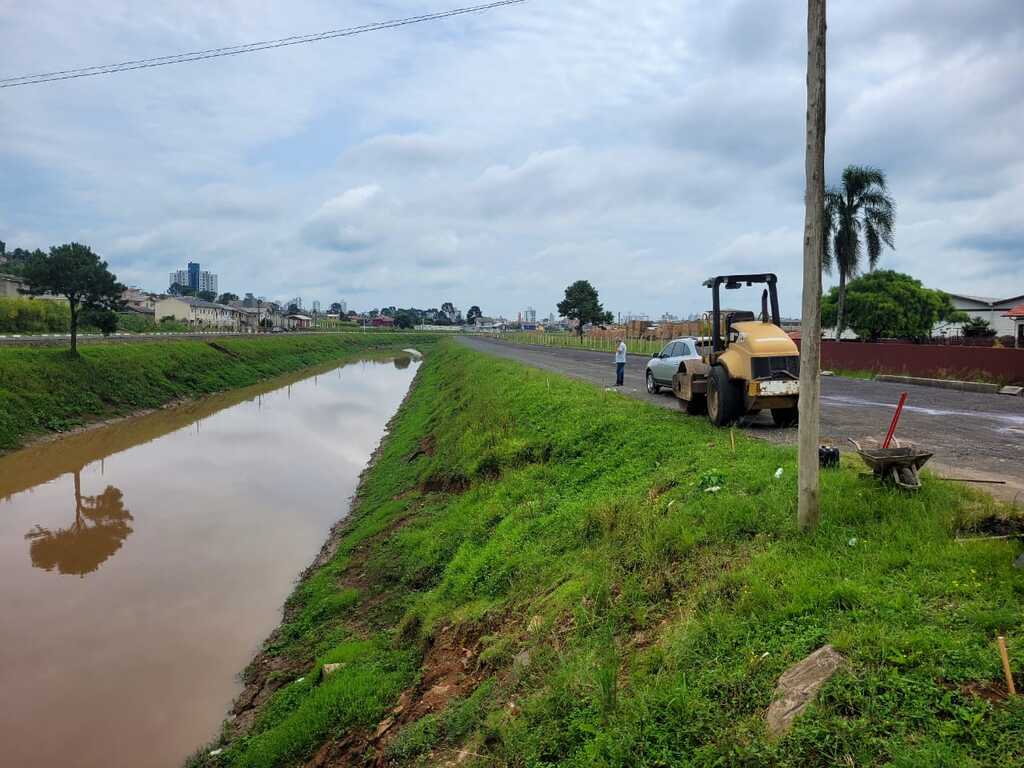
578, 526
305, 712
46, 390
853, 374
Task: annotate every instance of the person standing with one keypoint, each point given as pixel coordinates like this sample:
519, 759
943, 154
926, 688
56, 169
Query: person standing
620, 363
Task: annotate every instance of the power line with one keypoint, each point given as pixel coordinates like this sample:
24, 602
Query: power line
234, 50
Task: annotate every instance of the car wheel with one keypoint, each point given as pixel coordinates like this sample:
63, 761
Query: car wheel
723, 398
785, 417
652, 387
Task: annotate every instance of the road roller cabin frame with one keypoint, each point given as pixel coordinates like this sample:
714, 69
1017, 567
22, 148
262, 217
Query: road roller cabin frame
751, 364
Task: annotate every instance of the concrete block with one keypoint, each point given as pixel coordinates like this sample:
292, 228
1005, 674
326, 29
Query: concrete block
799, 685
1015, 391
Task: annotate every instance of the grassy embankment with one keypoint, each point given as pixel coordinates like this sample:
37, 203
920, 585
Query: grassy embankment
545, 571
45, 390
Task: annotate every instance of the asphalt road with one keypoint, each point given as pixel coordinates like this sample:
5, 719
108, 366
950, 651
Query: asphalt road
975, 435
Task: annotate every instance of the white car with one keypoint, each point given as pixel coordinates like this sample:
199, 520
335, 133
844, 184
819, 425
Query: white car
664, 365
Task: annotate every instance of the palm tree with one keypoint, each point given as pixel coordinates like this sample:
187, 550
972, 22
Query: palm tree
859, 216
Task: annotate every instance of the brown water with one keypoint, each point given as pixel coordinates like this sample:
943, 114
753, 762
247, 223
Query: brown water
142, 564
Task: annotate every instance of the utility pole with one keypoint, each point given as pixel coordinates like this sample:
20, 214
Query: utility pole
809, 505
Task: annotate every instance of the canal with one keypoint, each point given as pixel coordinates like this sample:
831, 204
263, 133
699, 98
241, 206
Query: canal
142, 563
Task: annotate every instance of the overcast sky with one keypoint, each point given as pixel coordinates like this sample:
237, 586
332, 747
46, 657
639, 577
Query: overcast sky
493, 159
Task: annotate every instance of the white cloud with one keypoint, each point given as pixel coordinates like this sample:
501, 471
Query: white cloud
492, 159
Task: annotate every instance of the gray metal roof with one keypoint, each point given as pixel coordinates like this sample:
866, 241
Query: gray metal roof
986, 299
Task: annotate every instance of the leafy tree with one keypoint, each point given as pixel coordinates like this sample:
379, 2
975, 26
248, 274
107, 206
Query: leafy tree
859, 217
177, 289
405, 318
76, 273
206, 295
474, 314
104, 319
16, 260
887, 304
224, 298
335, 308
581, 304
978, 327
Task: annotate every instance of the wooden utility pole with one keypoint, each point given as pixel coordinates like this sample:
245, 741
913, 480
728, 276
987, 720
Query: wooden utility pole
809, 507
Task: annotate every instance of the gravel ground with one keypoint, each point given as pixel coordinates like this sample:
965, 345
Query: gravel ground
973, 435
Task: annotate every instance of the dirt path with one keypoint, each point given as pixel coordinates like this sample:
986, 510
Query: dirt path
973, 435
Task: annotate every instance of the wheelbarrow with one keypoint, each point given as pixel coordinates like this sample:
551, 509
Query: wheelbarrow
900, 464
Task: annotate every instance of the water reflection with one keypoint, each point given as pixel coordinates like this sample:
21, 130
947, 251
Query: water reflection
101, 522
185, 545
99, 530
41, 463
401, 363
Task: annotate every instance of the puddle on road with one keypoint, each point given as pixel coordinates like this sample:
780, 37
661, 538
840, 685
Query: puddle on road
141, 564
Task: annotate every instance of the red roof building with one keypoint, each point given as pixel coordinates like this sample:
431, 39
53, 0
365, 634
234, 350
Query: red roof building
1016, 314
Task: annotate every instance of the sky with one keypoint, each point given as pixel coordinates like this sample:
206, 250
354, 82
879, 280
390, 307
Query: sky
494, 158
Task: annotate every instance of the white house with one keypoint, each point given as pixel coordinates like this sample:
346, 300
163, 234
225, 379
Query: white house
198, 312
994, 311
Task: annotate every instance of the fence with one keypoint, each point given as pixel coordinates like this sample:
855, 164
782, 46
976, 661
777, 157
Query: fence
589, 341
967, 363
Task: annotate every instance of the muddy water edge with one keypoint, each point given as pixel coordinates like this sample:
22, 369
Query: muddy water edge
142, 563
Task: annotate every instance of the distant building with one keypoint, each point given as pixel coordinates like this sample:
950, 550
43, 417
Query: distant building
1016, 316
11, 286
138, 300
296, 321
383, 321
993, 311
193, 277
530, 316
198, 312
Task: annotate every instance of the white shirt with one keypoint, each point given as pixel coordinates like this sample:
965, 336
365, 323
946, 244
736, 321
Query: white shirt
620, 353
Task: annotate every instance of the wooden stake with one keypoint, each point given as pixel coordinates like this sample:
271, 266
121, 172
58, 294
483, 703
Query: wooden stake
1006, 665
732, 439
